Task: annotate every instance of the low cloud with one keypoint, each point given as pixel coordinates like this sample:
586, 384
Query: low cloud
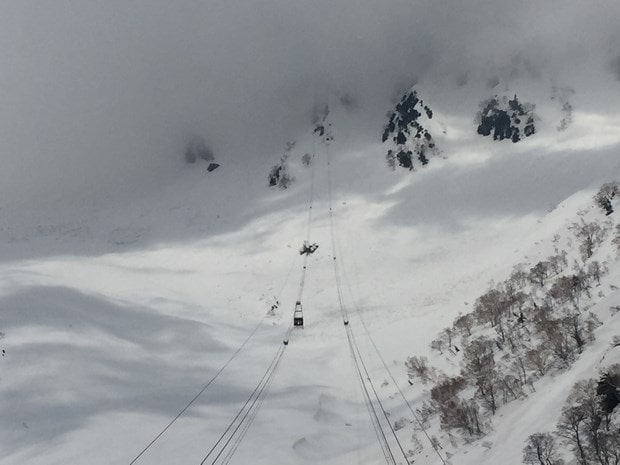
113, 90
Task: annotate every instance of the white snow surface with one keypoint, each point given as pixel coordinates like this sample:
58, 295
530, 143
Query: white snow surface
114, 315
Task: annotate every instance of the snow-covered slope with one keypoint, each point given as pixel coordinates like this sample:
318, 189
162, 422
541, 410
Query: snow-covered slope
115, 314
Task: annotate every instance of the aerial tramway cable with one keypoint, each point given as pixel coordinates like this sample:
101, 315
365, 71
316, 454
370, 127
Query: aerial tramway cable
355, 347
252, 333
402, 395
206, 386
249, 403
240, 424
360, 366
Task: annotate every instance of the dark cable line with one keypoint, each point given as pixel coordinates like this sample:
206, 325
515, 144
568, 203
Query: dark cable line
217, 374
204, 388
356, 307
261, 393
262, 388
374, 417
352, 343
385, 414
308, 225
278, 353
245, 429
402, 395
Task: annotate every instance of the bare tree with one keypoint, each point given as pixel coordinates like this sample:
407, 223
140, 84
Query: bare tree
490, 307
572, 428
514, 334
574, 327
609, 442
519, 366
447, 388
467, 416
464, 324
587, 425
518, 277
616, 239
605, 196
557, 339
418, 367
540, 449
568, 289
510, 387
596, 270
585, 394
591, 236
539, 273
453, 411
584, 425
539, 359
480, 369
558, 262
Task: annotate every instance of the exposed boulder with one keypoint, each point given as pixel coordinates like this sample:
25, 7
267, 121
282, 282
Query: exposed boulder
405, 129
506, 119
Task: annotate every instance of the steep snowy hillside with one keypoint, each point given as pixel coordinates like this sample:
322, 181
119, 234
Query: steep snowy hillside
114, 319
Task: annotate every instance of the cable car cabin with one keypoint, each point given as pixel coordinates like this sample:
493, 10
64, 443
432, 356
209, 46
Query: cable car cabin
298, 316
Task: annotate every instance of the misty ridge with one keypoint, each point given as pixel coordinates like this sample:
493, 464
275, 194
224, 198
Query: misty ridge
115, 92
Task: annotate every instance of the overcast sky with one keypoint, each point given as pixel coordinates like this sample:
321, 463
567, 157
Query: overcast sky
97, 89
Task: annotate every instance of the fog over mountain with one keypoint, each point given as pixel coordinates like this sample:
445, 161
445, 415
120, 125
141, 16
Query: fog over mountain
97, 94
418, 201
